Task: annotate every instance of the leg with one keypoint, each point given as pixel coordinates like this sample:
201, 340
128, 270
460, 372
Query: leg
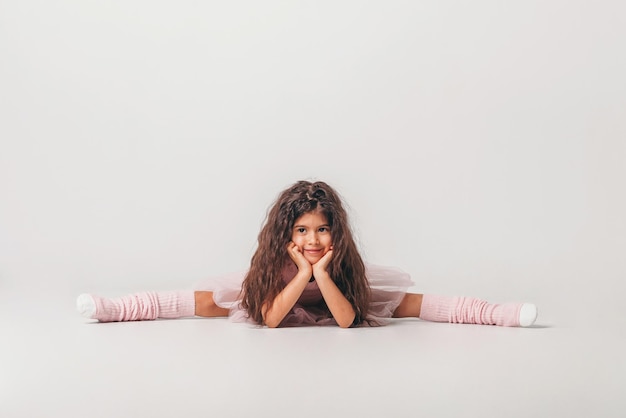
148, 306
205, 305
410, 306
463, 310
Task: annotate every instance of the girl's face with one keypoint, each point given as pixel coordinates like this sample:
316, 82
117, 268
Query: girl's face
311, 234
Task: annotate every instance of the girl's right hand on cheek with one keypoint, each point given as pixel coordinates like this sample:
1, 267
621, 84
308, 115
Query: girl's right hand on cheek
298, 258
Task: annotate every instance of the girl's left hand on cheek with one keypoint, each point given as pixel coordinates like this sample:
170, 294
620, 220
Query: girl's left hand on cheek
322, 263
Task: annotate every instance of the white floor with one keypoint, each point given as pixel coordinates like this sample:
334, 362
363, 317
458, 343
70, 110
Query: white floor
56, 364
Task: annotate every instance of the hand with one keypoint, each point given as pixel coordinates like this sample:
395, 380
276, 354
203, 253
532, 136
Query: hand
320, 267
301, 262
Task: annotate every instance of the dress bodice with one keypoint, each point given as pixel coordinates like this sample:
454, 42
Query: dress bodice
311, 294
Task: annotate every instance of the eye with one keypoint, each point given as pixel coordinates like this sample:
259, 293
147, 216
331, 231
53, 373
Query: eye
301, 230
323, 229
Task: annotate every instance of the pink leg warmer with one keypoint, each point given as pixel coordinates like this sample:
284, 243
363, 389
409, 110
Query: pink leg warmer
463, 310
142, 306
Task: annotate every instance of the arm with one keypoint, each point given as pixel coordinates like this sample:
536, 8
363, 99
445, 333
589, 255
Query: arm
285, 300
339, 306
288, 297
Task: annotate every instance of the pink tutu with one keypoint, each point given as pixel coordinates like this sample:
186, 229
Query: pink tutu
388, 285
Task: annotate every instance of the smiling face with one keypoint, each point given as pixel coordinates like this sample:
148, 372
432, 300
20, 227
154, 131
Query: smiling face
311, 233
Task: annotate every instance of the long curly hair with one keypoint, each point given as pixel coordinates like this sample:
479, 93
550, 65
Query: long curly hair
263, 282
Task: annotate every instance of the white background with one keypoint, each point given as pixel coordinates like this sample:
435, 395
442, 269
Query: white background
480, 146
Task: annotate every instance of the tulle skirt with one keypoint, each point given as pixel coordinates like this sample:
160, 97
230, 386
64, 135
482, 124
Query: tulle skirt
388, 286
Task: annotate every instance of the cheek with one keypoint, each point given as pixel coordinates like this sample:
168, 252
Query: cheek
297, 241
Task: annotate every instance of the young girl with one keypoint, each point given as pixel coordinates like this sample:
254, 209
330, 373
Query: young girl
307, 271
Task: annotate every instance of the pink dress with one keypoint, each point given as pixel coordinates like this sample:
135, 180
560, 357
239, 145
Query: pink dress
388, 285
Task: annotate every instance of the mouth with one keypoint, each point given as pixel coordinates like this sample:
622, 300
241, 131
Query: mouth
313, 252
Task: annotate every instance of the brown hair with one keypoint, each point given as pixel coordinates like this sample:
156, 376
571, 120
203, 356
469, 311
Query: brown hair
263, 282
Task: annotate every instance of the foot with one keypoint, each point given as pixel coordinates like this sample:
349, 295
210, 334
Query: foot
86, 305
527, 315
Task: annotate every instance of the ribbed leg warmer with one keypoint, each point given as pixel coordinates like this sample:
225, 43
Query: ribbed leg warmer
464, 310
138, 306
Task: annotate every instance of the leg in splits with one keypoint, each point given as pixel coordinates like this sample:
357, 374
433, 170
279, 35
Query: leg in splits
465, 310
206, 306
150, 305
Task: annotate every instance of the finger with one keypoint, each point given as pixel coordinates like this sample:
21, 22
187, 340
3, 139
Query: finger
293, 248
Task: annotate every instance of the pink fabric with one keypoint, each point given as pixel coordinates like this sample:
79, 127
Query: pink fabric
388, 285
145, 306
463, 310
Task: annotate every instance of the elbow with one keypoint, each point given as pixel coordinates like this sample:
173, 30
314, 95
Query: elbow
268, 319
347, 323
271, 324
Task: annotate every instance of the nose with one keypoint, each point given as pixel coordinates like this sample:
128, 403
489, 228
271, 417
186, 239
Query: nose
313, 238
